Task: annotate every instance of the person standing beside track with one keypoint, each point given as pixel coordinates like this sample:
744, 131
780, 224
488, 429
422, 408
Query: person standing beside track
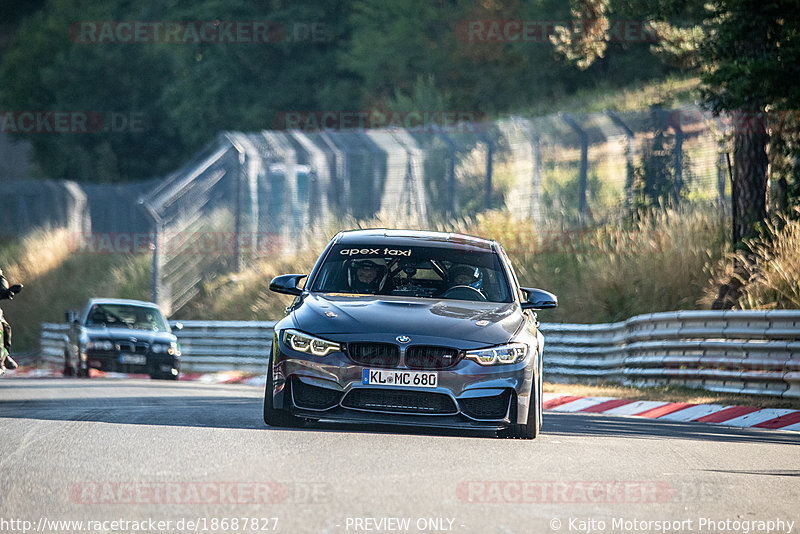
5, 357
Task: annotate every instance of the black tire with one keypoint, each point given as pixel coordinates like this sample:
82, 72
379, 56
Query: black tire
529, 429
541, 400
163, 376
275, 417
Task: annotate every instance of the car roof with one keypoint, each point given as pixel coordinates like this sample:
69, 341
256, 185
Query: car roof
407, 238
122, 301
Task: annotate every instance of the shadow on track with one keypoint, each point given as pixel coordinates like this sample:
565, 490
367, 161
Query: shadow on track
197, 405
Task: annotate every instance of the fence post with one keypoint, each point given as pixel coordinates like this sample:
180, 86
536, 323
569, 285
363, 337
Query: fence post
583, 177
629, 149
536, 173
678, 185
451, 174
158, 259
487, 202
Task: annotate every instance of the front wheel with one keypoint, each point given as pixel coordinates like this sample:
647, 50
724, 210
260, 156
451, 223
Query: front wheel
275, 417
529, 429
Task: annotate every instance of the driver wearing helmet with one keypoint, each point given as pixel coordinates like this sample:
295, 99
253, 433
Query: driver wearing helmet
364, 276
466, 275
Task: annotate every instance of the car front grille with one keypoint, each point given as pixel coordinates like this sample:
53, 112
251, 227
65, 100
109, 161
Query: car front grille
399, 401
436, 358
490, 407
374, 354
139, 347
313, 397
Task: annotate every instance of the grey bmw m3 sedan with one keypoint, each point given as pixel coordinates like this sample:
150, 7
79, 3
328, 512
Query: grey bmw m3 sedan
409, 328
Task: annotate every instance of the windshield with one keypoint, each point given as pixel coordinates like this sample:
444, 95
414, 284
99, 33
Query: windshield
127, 316
427, 272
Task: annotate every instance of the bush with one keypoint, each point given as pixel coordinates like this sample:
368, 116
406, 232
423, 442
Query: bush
769, 270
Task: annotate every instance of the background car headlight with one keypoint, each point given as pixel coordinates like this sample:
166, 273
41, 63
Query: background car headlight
309, 344
99, 345
504, 354
160, 348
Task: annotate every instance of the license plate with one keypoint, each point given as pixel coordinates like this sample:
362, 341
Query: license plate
135, 359
382, 377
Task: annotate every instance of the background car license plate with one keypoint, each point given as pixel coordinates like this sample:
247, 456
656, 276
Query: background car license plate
382, 377
136, 359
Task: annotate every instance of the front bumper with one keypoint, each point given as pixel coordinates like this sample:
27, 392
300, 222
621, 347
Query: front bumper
149, 363
467, 395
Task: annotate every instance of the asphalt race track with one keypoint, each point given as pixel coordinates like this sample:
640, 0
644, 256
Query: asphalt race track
152, 456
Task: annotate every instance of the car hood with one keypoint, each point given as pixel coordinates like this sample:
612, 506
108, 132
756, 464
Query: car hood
127, 334
479, 322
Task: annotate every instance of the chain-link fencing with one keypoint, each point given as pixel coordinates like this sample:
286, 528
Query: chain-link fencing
255, 195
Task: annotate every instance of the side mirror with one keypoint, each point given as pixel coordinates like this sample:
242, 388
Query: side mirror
70, 316
288, 284
16, 288
539, 299
178, 326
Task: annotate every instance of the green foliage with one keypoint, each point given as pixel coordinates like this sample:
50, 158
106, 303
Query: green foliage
182, 94
655, 180
363, 55
753, 50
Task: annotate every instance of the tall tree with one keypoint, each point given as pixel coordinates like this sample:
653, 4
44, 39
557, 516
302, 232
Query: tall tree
752, 51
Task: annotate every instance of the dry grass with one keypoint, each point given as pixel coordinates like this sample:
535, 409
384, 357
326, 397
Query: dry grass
771, 270
609, 273
604, 274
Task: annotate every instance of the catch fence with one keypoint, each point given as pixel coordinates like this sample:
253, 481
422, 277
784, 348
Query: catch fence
249, 196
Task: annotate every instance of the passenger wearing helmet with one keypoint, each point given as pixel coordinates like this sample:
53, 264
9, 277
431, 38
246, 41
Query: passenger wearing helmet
466, 275
364, 276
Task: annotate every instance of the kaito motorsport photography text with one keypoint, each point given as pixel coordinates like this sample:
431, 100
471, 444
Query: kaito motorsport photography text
588, 525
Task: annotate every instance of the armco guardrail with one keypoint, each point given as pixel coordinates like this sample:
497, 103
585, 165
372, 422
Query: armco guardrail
750, 352
207, 346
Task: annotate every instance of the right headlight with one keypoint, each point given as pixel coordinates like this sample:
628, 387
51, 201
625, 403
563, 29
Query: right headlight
309, 344
502, 354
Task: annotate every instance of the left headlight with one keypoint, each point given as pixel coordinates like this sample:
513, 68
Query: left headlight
309, 344
503, 354
99, 345
161, 348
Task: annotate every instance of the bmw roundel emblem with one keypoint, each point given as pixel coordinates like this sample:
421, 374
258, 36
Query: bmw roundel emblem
403, 339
